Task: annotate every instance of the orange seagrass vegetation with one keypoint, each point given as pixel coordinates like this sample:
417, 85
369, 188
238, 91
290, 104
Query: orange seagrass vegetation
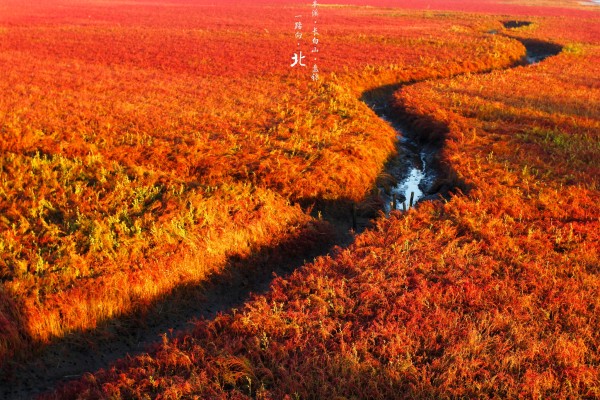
143, 144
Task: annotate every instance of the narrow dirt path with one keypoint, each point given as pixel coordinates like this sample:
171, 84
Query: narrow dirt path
74, 356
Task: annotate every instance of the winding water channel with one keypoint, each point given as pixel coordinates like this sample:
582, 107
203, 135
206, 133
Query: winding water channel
414, 170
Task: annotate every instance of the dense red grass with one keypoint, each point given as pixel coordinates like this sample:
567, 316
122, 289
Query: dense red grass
152, 160
153, 137
566, 8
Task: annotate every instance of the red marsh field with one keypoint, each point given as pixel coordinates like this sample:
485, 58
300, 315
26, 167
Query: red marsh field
161, 160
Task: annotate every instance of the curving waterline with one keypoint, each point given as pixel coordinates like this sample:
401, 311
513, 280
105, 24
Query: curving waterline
414, 173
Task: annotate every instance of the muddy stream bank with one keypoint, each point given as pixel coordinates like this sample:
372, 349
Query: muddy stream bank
416, 174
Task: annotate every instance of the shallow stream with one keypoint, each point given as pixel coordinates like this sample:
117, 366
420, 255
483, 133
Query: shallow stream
413, 171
